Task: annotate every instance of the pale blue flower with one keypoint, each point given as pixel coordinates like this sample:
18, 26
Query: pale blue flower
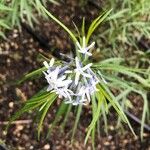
75, 86
57, 84
64, 92
85, 49
50, 63
81, 70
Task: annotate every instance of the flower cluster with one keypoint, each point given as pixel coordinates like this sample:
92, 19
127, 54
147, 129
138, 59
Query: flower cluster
74, 82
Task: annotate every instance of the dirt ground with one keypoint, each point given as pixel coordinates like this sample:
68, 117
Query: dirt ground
19, 55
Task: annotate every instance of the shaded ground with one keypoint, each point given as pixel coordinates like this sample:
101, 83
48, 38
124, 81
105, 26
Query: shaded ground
18, 55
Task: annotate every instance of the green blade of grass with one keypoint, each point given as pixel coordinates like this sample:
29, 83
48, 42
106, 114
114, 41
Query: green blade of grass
32, 74
31, 104
94, 108
44, 111
79, 110
96, 23
66, 117
100, 98
5, 8
4, 24
107, 93
60, 23
61, 111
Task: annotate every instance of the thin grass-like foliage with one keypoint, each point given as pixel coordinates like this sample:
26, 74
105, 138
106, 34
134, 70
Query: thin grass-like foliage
114, 70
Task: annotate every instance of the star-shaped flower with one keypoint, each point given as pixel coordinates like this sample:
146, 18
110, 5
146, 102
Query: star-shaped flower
81, 70
84, 93
51, 63
64, 92
77, 92
55, 81
83, 49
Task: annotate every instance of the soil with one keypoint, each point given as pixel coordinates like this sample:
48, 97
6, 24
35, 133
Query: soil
19, 55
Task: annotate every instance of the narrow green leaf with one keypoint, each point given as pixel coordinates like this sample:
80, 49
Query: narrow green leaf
94, 108
96, 23
79, 110
61, 111
4, 24
115, 105
31, 104
32, 74
100, 98
104, 117
83, 27
44, 111
60, 23
66, 117
4, 8
119, 14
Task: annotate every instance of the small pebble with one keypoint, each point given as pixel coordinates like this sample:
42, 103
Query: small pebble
31, 147
46, 147
19, 127
106, 143
11, 104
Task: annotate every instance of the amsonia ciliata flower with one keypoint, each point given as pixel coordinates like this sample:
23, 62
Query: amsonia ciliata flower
79, 70
83, 49
74, 82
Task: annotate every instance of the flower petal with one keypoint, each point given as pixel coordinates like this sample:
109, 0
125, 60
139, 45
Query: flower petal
46, 64
90, 46
84, 42
78, 45
87, 66
51, 62
77, 78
